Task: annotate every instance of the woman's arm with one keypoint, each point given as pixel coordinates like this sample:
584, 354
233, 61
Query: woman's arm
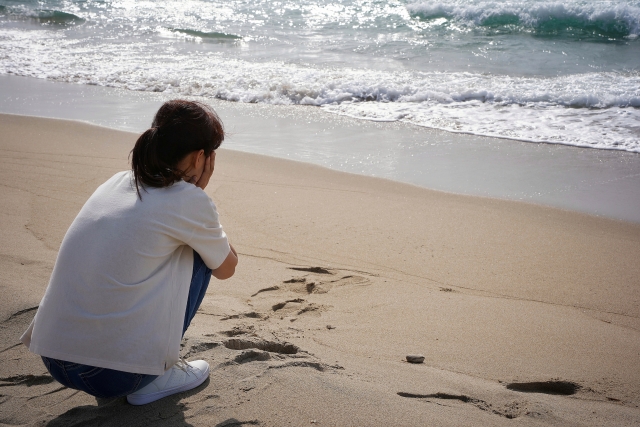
228, 266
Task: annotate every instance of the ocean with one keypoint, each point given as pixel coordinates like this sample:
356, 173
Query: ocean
530, 70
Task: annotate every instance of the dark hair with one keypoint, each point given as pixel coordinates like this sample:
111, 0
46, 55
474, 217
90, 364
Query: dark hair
180, 127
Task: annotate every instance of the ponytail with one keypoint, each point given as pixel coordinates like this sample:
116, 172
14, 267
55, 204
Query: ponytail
179, 128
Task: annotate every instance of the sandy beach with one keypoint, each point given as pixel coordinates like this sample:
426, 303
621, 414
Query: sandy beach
526, 315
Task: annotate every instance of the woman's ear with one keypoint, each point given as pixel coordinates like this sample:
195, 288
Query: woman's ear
199, 159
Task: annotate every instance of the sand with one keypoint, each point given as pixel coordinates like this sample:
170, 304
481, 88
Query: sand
526, 315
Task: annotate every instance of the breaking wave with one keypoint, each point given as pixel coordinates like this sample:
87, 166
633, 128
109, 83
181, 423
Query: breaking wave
42, 16
205, 35
608, 19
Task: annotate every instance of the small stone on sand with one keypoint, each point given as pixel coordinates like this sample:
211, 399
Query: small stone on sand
330, 327
415, 358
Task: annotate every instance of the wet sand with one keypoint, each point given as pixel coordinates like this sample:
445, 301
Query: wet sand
599, 182
525, 314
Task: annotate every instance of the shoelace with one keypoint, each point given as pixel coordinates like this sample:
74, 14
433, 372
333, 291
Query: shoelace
183, 364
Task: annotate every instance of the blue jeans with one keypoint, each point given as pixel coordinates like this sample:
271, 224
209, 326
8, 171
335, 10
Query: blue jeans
107, 383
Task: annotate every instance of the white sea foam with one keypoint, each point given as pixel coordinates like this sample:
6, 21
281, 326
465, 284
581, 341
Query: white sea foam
615, 128
599, 110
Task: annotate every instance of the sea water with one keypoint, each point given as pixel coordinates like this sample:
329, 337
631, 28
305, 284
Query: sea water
533, 70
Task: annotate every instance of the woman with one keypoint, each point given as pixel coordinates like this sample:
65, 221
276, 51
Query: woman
134, 266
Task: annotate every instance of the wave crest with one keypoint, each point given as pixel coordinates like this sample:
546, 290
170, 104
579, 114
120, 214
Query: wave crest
607, 19
42, 16
56, 17
206, 35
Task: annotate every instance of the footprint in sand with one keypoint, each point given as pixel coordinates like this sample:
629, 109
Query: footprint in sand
317, 270
511, 410
280, 354
196, 346
314, 283
297, 306
240, 330
317, 281
261, 344
247, 315
305, 285
288, 305
564, 388
28, 380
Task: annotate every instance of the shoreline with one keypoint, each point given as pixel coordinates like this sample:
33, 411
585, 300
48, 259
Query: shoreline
301, 164
506, 138
597, 182
494, 294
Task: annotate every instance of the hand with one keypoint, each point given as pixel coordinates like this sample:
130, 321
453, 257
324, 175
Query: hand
207, 171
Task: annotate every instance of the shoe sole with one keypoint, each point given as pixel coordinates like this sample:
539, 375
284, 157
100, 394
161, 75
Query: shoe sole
152, 397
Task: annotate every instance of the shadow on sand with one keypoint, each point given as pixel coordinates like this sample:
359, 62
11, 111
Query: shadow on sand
169, 411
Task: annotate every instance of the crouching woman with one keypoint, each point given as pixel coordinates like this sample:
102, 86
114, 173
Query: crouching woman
134, 267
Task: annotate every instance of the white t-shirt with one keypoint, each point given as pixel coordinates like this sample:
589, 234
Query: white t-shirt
118, 292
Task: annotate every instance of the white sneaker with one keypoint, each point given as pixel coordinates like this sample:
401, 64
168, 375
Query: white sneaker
181, 377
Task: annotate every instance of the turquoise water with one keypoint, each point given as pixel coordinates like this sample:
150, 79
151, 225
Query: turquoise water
559, 72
